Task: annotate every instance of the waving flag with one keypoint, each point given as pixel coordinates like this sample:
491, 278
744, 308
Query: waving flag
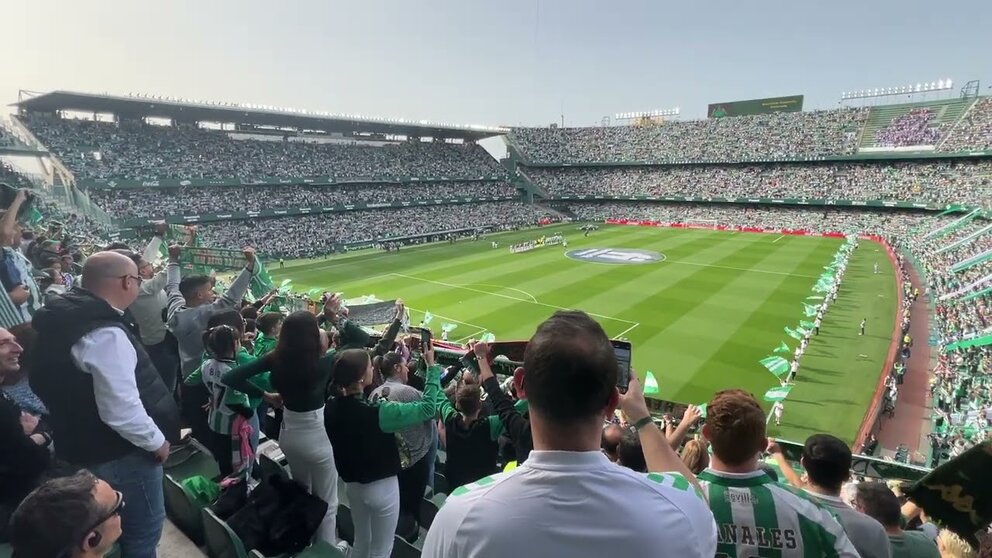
806, 325
428, 317
702, 410
782, 348
810, 310
650, 384
488, 337
448, 328
794, 333
776, 365
778, 393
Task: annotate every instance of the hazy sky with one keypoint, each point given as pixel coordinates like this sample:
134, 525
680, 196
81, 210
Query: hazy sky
505, 62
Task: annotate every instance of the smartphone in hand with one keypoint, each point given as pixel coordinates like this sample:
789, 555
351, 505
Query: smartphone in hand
622, 352
425, 339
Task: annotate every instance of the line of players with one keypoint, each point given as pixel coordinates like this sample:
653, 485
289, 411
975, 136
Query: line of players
778, 408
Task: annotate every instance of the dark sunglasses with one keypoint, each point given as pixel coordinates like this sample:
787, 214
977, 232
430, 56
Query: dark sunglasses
113, 512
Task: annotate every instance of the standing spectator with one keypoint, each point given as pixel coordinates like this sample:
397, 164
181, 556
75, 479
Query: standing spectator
953, 546
109, 409
300, 369
69, 517
568, 499
771, 517
611, 441
471, 440
827, 461
192, 302
22, 295
148, 310
365, 435
25, 455
268, 325
414, 441
876, 500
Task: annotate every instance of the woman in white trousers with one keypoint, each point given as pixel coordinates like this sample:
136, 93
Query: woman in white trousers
366, 454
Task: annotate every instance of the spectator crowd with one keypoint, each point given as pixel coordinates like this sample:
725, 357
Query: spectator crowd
782, 135
137, 150
912, 128
309, 236
974, 131
192, 200
945, 182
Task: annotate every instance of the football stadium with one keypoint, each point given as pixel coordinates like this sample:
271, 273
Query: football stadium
283, 331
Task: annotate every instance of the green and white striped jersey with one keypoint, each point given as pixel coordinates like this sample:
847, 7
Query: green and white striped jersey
220, 415
757, 517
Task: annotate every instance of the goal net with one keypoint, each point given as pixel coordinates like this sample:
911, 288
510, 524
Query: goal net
701, 223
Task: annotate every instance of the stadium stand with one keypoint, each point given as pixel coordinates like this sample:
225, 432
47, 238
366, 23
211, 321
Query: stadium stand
796, 135
937, 183
163, 202
938, 245
974, 131
134, 150
311, 236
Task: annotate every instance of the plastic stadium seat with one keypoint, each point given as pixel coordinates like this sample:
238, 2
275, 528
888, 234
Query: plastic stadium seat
269, 467
189, 460
403, 549
440, 484
183, 510
320, 549
429, 508
346, 528
221, 541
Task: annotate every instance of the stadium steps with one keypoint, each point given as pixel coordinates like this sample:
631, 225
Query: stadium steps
948, 113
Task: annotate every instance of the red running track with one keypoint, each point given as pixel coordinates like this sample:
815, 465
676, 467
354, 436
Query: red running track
912, 408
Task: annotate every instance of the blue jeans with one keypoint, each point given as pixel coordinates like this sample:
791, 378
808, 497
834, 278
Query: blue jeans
139, 478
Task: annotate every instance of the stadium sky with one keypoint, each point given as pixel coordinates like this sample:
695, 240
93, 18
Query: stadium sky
510, 62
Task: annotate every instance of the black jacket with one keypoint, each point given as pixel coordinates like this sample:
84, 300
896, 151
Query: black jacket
516, 425
81, 437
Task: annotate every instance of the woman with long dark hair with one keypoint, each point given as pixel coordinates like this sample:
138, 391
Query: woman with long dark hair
364, 434
300, 373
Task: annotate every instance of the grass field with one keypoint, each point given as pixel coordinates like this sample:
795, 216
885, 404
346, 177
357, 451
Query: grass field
700, 320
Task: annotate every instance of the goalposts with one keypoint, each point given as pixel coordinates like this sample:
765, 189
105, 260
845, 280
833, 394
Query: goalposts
701, 223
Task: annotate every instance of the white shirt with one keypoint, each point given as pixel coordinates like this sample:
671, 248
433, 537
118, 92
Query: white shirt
106, 354
147, 308
574, 504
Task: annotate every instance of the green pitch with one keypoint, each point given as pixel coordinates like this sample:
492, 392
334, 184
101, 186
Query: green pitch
700, 320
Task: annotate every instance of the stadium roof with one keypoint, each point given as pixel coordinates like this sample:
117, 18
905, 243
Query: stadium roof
185, 110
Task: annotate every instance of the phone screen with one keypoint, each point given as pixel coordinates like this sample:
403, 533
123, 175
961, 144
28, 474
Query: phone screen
622, 352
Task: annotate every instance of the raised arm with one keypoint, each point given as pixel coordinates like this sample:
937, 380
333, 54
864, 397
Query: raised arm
689, 418
658, 454
238, 377
394, 416
512, 420
389, 337
236, 291
790, 474
173, 277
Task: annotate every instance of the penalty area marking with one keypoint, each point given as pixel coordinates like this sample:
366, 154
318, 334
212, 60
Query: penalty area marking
777, 239
525, 293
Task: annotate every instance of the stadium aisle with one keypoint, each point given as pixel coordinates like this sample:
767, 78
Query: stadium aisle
912, 406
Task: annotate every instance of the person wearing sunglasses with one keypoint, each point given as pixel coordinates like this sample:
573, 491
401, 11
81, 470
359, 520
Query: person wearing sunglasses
68, 517
109, 409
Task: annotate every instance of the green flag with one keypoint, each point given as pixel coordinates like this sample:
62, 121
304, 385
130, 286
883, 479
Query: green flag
448, 328
776, 365
814, 297
488, 337
782, 348
793, 333
428, 317
650, 384
806, 325
261, 282
313, 294
702, 410
810, 310
778, 393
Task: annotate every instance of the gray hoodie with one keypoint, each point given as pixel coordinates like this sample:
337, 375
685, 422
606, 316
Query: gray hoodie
188, 324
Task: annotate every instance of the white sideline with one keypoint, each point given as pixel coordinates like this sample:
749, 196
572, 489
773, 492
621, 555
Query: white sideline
777, 239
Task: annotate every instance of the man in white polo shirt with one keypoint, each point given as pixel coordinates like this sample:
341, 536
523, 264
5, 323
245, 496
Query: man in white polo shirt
568, 499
